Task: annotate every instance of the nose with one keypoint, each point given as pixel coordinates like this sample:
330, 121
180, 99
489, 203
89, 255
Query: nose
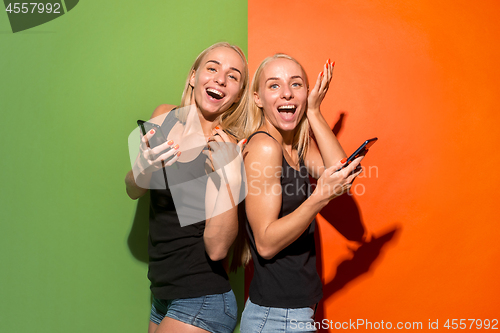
286, 93
220, 78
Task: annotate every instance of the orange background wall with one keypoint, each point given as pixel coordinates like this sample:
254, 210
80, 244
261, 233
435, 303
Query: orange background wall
422, 76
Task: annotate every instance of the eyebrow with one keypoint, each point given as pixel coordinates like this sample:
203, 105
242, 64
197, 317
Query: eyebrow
218, 63
293, 77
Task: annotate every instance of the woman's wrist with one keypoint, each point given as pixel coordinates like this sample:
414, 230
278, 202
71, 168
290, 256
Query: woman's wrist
316, 202
138, 169
313, 111
142, 176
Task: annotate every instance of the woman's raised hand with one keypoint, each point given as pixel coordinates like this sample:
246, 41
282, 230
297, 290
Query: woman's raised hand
225, 156
318, 93
333, 183
152, 159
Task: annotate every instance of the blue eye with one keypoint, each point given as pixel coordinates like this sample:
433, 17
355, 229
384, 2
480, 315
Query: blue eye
233, 77
296, 85
273, 86
211, 69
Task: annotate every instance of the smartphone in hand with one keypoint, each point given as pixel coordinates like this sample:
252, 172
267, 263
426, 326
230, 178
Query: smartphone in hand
362, 150
158, 138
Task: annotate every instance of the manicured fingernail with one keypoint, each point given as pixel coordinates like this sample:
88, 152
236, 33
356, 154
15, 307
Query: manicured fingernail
176, 147
152, 131
244, 141
217, 127
321, 74
343, 160
329, 61
333, 64
171, 142
178, 153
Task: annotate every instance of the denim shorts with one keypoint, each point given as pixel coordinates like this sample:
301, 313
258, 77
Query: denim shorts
214, 313
260, 319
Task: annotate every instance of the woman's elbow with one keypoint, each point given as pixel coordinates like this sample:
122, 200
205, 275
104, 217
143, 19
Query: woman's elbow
265, 252
133, 196
135, 193
217, 254
133, 190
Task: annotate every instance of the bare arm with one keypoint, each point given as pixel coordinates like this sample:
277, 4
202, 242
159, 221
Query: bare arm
326, 151
263, 161
134, 191
221, 226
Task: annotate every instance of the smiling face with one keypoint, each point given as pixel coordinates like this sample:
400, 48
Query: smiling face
217, 82
282, 93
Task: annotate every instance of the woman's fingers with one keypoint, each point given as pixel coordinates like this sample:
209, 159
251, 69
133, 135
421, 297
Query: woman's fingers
173, 152
163, 147
351, 178
222, 134
356, 171
321, 87
222, 151
331, 65
173, 159
318, 82
339, 164
328, 72
351, 167
151, 153
345, 176
241, 143
149, 135
213, 145
326, 78
145, 140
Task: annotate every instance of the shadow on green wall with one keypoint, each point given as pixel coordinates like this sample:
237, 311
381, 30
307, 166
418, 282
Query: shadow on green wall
138, 237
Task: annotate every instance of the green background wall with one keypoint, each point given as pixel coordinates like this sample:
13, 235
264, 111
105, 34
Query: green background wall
72, 251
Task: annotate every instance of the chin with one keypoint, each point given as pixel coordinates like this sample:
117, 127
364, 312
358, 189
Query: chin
211, 111
287, 127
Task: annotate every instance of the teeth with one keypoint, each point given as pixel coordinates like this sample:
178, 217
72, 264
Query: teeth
287, 107
215, 92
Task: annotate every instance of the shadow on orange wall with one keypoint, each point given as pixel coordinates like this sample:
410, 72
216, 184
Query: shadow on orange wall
344, 216
361, 261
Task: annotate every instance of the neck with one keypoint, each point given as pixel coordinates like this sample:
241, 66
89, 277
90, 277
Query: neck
285, 138
196, 119
207, 124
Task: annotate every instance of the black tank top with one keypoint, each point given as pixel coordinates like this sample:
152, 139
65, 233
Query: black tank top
179, 267
290, 278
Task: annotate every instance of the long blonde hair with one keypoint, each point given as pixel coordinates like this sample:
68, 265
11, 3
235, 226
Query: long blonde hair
230, 119
254, 115
252, 118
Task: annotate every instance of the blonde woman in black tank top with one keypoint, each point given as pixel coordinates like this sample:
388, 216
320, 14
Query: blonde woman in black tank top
280, 209
191, 291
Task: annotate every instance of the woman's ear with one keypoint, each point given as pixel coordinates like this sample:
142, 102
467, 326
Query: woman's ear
192, 79
256, 99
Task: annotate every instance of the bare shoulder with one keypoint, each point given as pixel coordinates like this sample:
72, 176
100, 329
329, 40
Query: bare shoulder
160, 113
265, 149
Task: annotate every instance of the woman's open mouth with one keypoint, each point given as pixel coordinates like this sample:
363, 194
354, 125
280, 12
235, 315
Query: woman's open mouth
287, 112
215, 94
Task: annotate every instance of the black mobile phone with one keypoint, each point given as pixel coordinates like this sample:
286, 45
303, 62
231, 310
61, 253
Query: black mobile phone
158, 138
360, 151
